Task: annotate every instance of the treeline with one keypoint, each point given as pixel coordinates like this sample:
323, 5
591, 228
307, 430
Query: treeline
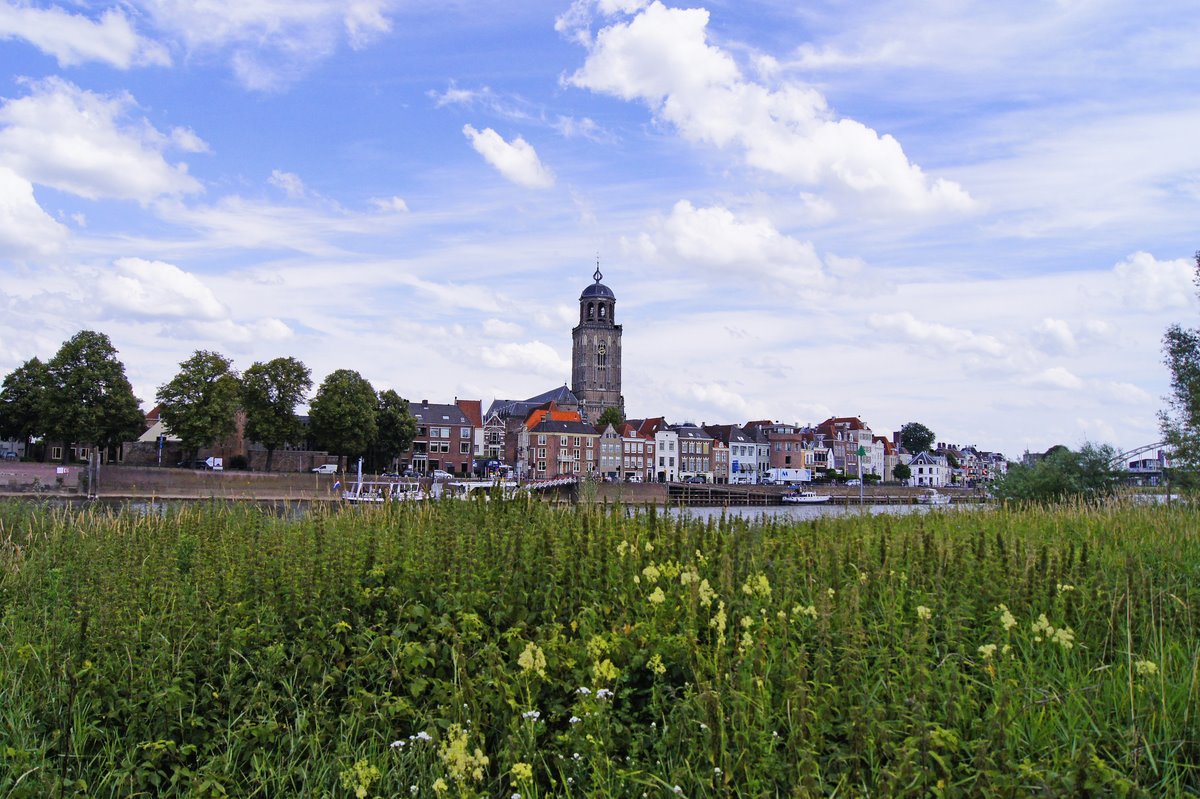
81, 397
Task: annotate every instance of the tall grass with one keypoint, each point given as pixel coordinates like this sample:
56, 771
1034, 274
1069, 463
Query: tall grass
492, 649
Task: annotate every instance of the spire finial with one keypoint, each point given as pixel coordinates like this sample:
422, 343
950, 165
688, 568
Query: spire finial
597, 276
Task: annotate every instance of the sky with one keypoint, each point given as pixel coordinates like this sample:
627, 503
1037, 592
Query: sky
978, 216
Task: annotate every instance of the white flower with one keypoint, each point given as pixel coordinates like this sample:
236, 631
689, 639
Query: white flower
531, 714
604, 693
575, 720
583, 691
678, 791
424, 736
398, 744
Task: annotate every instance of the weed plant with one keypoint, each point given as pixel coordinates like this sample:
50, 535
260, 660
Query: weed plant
454, 649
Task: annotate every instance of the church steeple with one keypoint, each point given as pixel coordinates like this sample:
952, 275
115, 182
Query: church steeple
596, 350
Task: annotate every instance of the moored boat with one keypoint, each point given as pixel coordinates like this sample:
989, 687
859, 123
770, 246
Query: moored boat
805, 498
932, 497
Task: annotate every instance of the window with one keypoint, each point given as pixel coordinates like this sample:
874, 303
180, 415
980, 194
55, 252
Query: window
541, 440
592, 442
464, 448
464, 432
562, 440
541, 452
421, 432
56, 453
576, 441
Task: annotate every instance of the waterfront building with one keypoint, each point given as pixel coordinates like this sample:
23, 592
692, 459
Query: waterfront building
596, 352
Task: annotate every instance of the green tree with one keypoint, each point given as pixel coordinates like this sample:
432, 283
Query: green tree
1061, 475
89, 399
23, 402
916, 437
270, 393
1180, 422
343, 414
396, 428
610, 416
902, 472
199, 405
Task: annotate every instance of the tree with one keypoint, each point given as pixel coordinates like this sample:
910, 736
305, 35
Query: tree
270, 393
199, 405
343, 415
1180, 422
902, 472
916, 437
396, 427
23, 402
610, 416
89, 399
1061, 475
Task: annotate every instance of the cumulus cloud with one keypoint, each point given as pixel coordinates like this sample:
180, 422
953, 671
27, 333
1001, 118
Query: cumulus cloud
25, 229
534, 357
662, 58
515, 160
1055, 335
156, 290
390, 205
719, 398
942, 338
1154, 285
715, 237
75, 39
89, 144
496, 328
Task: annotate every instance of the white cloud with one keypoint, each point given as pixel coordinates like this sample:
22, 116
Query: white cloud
556, 317
1055, 336
1057, 377
1154, 285
86, 144
390, 205
496, 328
515, 160
289, 182
25, 229
1129, 394
942, 338
270, 42
719, 398
719, 240
534, 356
74, 39
156, 290
662, 58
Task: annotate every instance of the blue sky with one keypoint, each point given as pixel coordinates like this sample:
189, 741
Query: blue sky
978, 216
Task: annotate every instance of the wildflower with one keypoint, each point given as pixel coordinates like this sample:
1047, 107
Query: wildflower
649, 547
522, 771
576, 757
1064, 637
574, 720
924, 613
463, 765
604, 671
412, 789
398, 744
707, 595
604, 693
832, 593
862, 577
651, 573
987, 650
1064, 588
515, 796
531, 714
678, 791
637, 580
717, 771
623, 548
656, 664
583, 691
757, 585
689, 576
747, 622
533, 659
1146, 668
803, 610
703, 726
1007, 620
423, 736
440, 786
658, 597
1042, 627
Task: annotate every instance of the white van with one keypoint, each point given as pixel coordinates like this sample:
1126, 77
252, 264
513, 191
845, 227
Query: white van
326, 468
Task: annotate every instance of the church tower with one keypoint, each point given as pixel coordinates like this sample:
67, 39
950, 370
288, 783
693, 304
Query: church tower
596, 352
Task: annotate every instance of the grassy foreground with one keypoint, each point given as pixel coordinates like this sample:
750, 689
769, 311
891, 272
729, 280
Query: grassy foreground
471, 649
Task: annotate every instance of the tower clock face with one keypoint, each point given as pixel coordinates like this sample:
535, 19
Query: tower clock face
603, 348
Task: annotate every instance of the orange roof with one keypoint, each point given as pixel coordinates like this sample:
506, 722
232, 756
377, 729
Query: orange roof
472, 409
553, 414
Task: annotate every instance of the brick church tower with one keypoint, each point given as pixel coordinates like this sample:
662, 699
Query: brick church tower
596, 352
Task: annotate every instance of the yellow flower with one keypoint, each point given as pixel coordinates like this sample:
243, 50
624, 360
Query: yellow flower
987, 650
1147, 668
605, 671
522, 771
1042, 627
757, 585
1064, 587
1064, 637
533, 659
440, 786
658, 597
1006, 618
805, 610
462, 764
707, 595
924, 613
747, 622
656, 665
651, 573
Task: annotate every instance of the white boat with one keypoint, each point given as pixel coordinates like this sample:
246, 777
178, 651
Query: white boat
384, 490
932, 497
805, 498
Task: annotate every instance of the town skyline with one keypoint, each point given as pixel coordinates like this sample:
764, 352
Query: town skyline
978, 218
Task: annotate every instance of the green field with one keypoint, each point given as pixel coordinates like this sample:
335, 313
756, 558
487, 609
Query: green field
494, 649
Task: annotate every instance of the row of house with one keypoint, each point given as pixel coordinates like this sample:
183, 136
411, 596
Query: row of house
545, 437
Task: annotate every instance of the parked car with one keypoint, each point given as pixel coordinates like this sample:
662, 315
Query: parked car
766, 481
326, 468
633, 478
855, 482
9, 456
695, 478
441, 474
